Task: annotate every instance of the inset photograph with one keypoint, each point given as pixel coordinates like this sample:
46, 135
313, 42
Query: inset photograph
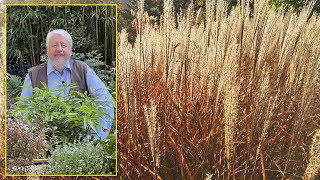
61, 90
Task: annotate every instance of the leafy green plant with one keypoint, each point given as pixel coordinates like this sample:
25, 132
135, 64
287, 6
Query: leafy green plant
77, 158
69, 117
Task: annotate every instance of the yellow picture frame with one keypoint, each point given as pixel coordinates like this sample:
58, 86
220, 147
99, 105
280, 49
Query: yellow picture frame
5, 93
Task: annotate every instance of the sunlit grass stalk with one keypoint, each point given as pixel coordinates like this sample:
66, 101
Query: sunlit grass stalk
313, 168
153, 132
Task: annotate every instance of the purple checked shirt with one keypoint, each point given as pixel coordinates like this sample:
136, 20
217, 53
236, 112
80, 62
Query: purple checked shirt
93, 81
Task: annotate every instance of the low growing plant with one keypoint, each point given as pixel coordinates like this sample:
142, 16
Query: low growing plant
80, 158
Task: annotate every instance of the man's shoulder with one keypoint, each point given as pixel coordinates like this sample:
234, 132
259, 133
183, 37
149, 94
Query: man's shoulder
78, 62
40, 66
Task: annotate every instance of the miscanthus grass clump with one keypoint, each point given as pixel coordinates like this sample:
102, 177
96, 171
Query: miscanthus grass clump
233, 95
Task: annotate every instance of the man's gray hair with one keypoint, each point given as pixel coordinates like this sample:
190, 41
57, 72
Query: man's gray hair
60, 32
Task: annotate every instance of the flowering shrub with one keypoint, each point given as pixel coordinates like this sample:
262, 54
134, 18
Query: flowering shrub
77, 158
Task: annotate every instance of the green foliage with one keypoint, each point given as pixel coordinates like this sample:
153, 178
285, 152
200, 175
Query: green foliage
69, 117
14, 84
296, 5
154, 8
92, 58
19, 33
24, 143
82, 44
109, 144
111, 79
76, 158
125, 18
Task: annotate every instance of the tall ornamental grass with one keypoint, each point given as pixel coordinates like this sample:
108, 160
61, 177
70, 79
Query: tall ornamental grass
231, 96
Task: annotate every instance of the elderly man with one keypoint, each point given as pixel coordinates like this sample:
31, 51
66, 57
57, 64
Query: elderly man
61, 70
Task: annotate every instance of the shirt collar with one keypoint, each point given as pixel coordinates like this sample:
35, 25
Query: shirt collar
51, 69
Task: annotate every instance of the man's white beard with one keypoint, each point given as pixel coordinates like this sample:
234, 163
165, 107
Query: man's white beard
59, 64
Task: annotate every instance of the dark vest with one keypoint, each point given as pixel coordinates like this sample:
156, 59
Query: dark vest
78, 75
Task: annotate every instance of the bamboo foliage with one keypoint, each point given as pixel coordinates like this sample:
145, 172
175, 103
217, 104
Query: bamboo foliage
89, 26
